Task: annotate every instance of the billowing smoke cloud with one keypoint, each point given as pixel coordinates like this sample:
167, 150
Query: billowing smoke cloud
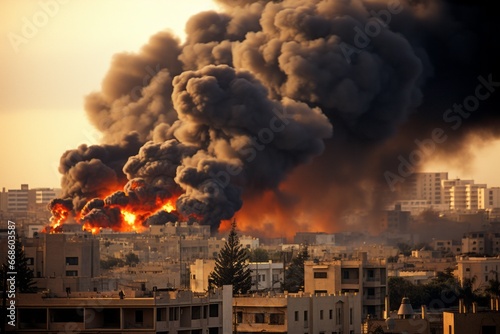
283, 112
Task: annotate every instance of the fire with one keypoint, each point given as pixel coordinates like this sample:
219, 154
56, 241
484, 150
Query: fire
129, 218
169, 206
120, 218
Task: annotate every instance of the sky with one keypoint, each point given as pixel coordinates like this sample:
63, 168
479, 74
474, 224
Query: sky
47, 71
55, 52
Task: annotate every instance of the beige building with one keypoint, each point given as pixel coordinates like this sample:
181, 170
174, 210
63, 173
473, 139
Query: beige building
486, 322
199, 272
266, 276
482, 269
359, 275
489, 198
298, 313
462, 195
163, 312
426, 187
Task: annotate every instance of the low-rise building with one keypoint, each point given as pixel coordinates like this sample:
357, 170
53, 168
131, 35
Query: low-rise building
485, 322
368, 278
123, 312
298, 313
478, 269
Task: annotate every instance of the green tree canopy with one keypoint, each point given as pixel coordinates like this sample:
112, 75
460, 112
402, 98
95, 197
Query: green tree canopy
231, 265
259, 255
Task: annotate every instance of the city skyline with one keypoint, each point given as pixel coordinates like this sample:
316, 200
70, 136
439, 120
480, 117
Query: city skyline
70, 64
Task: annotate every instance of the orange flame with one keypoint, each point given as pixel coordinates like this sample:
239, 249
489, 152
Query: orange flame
169, 206
129, 218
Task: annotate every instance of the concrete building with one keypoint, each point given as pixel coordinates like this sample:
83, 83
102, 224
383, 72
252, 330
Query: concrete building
446, 246
482, 269
44, 195
425, 187
395, 220
3, 200
199, 272
267, 276
298, 313
474, 242
249, 242
484, 322
359, 275
17, 199
403, 322
162, 312
462, 195
489, 198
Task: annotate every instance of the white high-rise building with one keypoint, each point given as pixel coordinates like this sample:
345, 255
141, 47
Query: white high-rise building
424, 191
489, 198
45, 195
462, 195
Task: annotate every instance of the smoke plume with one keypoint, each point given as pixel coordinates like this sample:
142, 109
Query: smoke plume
283, 113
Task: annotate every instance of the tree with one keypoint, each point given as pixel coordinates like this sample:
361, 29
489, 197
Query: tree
493, 288
259, 255
231, 265
294, 274
24, 275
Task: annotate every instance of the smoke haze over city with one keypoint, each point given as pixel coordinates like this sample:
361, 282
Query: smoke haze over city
286, 115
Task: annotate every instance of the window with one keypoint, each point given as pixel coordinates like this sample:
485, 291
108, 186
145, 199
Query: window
71, 272
321, 315
139, 316
320, 274
239, 317
276, 319
214, 310
296, 315
305, 315
173, 314
259, 318
330, 314
71, 261
196, 312
350, 316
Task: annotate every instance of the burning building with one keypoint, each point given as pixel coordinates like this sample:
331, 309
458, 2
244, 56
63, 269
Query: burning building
282, 113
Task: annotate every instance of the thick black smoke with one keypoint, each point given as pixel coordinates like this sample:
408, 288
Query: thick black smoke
248, 103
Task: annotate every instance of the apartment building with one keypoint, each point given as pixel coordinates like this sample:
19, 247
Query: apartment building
266, 276
298, 313
480, 269
127, 311
489, 198
368, 278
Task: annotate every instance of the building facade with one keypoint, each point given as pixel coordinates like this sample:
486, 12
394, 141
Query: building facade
298, 313
361, 276
478, 269
113, 312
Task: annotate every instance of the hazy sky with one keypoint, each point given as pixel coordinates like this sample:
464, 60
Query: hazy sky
49, 62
